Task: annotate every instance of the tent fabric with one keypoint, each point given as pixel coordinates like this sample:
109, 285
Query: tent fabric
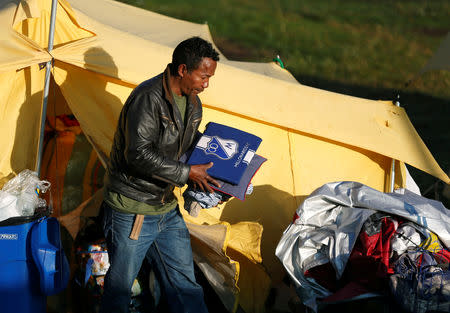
310, 136
16, 50
329, 221
164, 30
70, 164
21, 92
212, 261
32, 20
398, 140
385, 130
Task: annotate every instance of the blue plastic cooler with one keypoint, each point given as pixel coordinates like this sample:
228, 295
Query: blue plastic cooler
32, 263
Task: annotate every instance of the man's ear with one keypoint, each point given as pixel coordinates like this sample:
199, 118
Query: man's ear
182, 70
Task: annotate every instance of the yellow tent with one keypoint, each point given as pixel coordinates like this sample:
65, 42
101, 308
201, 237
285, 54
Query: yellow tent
103, 49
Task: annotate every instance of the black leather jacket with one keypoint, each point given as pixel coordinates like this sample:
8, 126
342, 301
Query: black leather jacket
149, 140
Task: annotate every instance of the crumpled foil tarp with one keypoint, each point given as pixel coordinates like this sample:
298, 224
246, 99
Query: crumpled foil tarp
328, 222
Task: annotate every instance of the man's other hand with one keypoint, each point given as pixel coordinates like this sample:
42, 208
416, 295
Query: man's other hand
201, 178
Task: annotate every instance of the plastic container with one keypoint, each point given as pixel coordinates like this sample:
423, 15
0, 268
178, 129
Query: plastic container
32, 263
49, 256
19, 277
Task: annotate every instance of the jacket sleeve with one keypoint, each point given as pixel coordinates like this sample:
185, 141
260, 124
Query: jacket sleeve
141, 127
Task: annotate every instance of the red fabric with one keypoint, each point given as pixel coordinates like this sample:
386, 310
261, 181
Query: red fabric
442, 257
369, 262
368, 267
324, 275
377, 246
295, 218
69, 120
351, 290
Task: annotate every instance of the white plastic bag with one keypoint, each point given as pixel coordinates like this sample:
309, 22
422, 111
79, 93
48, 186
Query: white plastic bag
8, 206
26, 188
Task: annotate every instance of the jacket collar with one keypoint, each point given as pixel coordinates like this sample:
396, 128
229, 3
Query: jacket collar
168, 91
192, 103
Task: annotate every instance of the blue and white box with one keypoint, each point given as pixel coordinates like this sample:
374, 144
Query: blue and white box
229, 148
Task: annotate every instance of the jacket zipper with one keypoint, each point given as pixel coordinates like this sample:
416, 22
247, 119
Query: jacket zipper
162, 199
184, 133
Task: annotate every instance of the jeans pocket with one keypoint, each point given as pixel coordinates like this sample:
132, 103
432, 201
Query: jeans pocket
183, 233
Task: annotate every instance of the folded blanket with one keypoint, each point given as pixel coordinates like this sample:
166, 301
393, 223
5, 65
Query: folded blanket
229, 148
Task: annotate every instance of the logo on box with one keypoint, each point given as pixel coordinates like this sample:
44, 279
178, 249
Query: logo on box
222, 148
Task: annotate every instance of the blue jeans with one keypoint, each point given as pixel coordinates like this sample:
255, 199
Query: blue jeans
165, 241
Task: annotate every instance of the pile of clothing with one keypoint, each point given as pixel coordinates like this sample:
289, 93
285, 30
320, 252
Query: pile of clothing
91, 265
232, 152
349, 240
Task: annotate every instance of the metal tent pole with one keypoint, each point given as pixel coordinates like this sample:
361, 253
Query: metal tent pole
51, 36
397, 103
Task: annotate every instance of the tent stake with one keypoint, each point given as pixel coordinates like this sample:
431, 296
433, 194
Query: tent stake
397, 103
51, 36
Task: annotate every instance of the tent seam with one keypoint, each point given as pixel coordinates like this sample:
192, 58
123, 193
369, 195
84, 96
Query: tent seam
291, 164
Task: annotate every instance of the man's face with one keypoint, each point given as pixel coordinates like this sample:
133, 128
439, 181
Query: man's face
194, 82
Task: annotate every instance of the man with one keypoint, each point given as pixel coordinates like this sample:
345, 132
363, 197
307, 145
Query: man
157, 125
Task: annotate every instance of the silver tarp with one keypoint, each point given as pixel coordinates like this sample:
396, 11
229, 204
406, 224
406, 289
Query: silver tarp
329, 221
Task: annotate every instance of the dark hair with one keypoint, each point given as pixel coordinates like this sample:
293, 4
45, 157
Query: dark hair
190, 52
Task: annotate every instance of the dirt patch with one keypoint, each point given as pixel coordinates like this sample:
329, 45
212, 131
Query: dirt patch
233, 50
434, 32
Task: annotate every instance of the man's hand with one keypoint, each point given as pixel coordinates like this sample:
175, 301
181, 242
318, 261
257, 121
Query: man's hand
201, 178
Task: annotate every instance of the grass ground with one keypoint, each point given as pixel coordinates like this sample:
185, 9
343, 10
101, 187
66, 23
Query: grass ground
379, 44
